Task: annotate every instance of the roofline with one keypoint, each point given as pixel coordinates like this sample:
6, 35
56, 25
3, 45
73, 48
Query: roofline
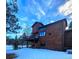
54, 23
36, 23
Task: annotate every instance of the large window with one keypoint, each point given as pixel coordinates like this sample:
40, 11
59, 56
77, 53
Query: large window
42, 33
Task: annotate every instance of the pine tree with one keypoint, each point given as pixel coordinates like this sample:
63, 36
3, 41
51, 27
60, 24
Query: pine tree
70, 25
12, 24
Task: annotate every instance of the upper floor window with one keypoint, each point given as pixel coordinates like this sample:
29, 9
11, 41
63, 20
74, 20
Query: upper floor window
42, 33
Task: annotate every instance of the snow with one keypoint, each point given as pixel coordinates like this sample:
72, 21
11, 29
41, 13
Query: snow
30, 53
69, 51
9, 49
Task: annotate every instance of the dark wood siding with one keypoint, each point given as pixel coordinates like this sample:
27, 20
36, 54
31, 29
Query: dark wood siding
54, 38
68, 39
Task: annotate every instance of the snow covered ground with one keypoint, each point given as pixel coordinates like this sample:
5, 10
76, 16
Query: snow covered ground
29, 53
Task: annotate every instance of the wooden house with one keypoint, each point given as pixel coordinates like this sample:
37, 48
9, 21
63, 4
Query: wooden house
50, 36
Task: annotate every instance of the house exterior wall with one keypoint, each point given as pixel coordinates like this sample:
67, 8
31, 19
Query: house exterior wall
68, 39
54, 38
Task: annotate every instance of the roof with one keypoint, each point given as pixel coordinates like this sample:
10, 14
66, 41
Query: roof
54, 23
37, 23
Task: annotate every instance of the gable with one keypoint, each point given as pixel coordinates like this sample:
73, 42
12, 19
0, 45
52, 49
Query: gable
37, 23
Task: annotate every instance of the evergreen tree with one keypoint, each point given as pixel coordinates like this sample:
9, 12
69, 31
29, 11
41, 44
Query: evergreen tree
27, 31
70, 25
12, 24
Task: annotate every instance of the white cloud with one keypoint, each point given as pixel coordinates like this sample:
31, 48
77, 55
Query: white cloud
51, 21
55, 14
23, 25
66, 9
39, 15
48, 3
34, 20
51, 3
41, 11
23, 18
35, 8
34, 2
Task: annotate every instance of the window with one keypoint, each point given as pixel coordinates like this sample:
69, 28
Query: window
42, 33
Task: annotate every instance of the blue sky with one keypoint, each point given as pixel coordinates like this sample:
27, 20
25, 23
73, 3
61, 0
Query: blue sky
45, 11
39, 10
